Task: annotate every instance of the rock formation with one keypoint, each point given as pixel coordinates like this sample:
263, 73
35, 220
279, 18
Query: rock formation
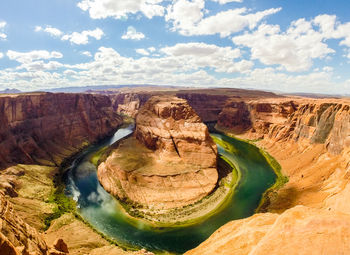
316, 121
169, 163
300, 230
17, 237
46, 128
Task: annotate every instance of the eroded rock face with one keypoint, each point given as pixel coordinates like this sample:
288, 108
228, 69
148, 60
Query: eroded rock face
317, 121
169, 163
169, 125
17, 237
45, 128
300, 230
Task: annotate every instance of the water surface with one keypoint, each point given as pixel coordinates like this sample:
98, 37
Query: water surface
104, 213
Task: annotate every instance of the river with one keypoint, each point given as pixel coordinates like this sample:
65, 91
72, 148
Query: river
104, 212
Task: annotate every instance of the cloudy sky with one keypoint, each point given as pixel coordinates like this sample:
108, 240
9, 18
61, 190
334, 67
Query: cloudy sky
285, 45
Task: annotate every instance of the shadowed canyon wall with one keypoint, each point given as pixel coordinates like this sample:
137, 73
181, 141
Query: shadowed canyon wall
317, 121
47, 128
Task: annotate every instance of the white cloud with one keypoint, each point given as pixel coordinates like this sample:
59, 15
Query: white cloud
3, 24
330, 28
294, 49
1, 55
101, 9
151, 49
180, 64
297, 47
187, 17
83, 37
40, 66
132, 34
54, 32
28, 57
199, 55
227, 1
142, 52
328, 69
86, 53
69, 72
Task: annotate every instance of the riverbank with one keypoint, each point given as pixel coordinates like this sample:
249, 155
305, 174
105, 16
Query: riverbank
281, 179
37, 195
194, 213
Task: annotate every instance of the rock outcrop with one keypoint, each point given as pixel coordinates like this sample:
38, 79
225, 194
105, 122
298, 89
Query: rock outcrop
300, 230
17, 237
46, 128
169, 163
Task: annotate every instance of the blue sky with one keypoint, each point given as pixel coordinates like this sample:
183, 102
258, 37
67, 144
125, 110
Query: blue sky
293, 46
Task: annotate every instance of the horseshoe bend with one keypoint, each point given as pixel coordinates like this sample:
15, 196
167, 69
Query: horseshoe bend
169, 162
195, 171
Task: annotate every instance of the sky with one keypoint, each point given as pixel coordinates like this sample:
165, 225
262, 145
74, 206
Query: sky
278, 45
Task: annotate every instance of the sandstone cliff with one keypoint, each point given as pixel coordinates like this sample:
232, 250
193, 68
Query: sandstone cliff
171, 161
45, 128
207, 103
316, 121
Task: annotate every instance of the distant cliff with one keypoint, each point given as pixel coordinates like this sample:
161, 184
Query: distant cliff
317, 121
46, 128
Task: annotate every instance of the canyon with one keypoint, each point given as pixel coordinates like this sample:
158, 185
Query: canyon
310, 138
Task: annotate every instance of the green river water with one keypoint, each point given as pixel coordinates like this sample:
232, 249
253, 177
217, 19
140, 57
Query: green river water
104, 213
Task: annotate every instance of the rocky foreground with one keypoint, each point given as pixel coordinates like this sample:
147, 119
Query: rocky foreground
170, 162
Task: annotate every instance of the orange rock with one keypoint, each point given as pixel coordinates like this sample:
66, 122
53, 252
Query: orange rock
300, 230
46, 128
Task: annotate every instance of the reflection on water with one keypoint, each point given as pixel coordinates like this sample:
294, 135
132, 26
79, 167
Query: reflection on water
103, 212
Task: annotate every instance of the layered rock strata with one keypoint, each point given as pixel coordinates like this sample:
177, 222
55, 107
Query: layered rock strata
316, 121
170, 162
45, 128
17, 237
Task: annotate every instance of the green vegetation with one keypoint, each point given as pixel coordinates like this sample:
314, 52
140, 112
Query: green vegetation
95, 158
281, 180
62, 203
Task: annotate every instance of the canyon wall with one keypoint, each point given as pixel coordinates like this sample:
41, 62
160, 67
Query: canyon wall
317, 121
310, 139
46, 128
207, 103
